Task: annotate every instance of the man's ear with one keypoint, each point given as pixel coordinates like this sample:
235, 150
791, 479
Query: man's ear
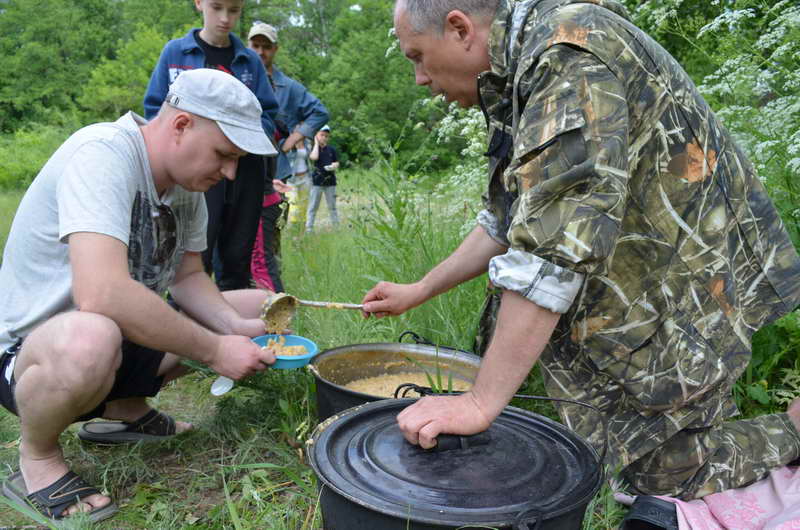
459, 25
198, 5
180, 122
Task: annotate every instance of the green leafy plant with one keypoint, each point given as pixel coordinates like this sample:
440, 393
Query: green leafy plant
772, 368
434, 380
791, 384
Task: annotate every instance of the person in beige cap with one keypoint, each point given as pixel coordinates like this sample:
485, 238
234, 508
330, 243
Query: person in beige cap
114, 219
263, 40
300, 115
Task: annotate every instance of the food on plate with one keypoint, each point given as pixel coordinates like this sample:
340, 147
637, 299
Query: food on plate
280, 348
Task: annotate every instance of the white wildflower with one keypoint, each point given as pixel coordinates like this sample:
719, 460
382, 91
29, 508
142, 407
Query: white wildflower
729, 20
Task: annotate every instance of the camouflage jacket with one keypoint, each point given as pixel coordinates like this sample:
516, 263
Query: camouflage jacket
628, 207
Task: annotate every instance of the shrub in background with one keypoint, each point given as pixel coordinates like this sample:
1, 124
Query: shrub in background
118, 85
23, 153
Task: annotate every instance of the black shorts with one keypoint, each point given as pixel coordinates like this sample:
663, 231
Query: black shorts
136, 377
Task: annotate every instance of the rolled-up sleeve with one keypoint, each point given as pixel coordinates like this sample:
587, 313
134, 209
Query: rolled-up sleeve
570, 172
541, 282
311, 113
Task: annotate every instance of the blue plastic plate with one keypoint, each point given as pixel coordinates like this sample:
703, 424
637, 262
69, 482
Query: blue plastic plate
283, 362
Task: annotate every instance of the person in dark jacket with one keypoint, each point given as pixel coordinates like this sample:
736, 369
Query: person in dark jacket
326, 162
234, 208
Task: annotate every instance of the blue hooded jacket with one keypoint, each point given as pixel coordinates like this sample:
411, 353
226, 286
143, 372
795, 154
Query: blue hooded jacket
299, 110
185, 54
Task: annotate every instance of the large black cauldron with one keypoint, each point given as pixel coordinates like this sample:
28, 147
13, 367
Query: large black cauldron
525, 472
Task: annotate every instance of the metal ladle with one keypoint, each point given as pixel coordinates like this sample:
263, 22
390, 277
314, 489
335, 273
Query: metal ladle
279, 308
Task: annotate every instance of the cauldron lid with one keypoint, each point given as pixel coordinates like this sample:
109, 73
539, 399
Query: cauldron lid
528, 464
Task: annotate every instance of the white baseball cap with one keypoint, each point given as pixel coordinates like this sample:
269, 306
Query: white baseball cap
219, 96
260, 28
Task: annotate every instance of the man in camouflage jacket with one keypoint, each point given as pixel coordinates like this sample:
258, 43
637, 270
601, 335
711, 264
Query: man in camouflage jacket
635, 247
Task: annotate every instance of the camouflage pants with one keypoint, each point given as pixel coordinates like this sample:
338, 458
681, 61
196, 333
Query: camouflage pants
698, 462
695, 462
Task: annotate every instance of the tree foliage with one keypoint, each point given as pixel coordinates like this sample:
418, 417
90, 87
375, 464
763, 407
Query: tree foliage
162, 16
368, 93
117, 85
48, 49
93, 58
70, 61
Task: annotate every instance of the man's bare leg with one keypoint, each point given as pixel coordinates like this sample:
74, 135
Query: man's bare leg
64, 369
131, 409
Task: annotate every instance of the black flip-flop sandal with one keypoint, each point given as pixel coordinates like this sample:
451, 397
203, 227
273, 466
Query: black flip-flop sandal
153, 426
57, 497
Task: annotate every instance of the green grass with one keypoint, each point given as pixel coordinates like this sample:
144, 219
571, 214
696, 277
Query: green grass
244, 465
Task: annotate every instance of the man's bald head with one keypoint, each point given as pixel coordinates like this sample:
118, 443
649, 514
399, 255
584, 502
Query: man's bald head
429, 15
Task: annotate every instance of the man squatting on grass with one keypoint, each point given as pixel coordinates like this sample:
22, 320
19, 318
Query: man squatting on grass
114, 219
635, 247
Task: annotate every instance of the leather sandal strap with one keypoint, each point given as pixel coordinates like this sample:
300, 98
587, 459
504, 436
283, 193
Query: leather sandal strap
155, 423
61, 494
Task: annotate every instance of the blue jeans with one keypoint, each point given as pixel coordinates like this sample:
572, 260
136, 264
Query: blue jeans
313, 205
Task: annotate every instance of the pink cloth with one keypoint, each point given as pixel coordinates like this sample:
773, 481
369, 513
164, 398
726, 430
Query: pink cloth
258, 262
272, 198
769, 504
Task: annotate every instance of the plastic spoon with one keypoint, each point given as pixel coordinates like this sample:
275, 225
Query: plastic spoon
221, 386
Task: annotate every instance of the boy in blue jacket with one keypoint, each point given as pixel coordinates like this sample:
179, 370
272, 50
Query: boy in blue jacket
234, 208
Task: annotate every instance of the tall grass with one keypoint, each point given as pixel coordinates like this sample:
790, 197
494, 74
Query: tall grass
244, 465
393, 232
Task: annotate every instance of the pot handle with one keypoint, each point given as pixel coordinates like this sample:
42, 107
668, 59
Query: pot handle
581, 403
531, 516
449, 442
418, 339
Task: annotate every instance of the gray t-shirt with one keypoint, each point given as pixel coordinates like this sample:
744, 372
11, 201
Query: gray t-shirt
98, 181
